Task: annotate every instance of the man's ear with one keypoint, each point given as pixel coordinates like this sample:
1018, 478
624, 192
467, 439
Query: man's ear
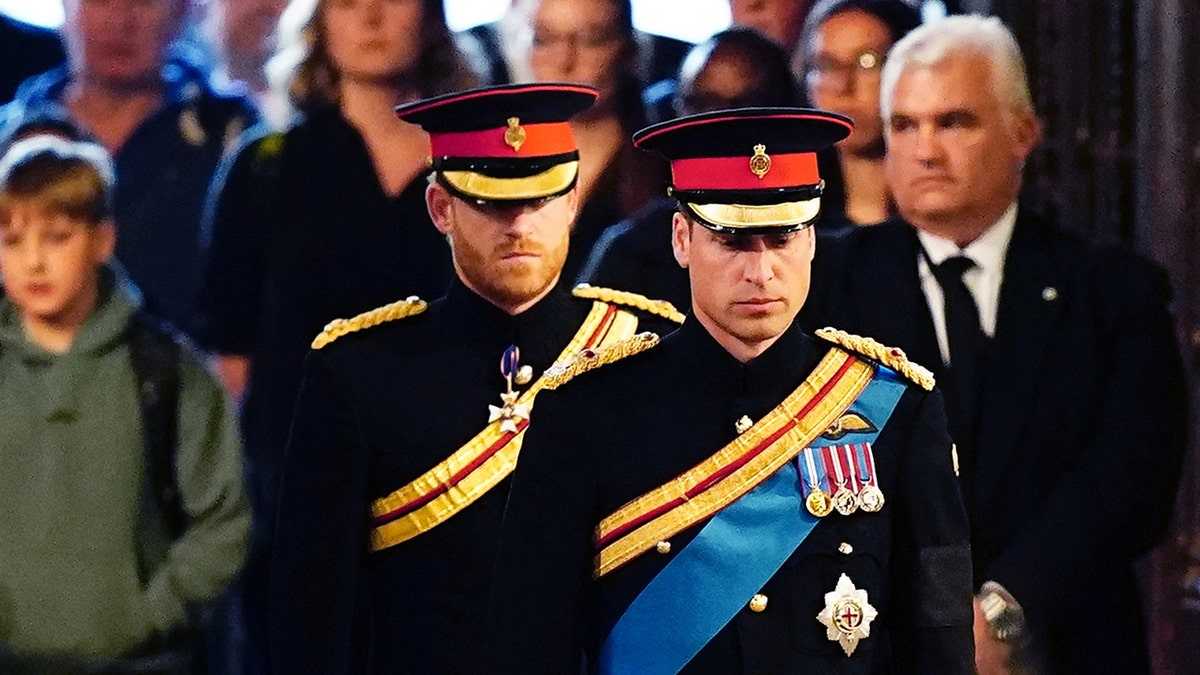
681, 238
1027, 130
440, 205
105, 240
573, 202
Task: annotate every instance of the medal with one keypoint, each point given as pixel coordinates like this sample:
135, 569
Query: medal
847, 615
843, 499
870, 496
817, 502
511, 412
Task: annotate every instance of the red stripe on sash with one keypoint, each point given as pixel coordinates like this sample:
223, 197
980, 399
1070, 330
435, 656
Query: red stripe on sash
731, 467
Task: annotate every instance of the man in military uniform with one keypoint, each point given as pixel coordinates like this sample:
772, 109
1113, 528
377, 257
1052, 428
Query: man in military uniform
744, 497
411, 415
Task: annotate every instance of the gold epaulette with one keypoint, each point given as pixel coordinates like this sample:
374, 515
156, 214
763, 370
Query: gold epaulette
589, 359
892, 357
397, 310
656, 307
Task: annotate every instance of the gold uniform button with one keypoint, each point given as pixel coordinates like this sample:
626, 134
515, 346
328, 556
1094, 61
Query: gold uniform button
663, 547
758, 603
845, 548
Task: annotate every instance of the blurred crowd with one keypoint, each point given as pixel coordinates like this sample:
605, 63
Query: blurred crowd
262, 186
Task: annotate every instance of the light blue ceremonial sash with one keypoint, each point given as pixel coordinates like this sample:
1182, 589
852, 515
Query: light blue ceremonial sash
731, 559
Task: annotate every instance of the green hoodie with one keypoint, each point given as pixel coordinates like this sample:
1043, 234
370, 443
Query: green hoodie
71, 458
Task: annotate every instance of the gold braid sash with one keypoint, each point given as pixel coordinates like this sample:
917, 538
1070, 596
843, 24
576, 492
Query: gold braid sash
486, 459
736, 468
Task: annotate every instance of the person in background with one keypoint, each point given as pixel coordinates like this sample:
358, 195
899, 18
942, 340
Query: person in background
593, 42
412, 415
322, 220
165, 127
25, 50
498, 48
241, 35
120, 464
842, 50
1062, 374
779, 20
735, 68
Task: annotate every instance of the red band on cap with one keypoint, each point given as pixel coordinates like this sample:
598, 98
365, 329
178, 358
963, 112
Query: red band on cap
538, 140
734, 173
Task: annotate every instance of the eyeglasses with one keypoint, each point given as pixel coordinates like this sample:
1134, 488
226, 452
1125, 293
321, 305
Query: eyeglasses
826, 72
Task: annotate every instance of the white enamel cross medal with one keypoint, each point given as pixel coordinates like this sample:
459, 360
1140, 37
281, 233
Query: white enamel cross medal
511, 413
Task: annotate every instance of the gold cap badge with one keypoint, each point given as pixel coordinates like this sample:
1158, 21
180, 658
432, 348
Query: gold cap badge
760, 163
514, 135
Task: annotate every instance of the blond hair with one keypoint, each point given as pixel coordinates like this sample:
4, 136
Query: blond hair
74, 178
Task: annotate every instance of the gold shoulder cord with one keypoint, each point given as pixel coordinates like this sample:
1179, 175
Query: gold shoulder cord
335, 329
892, 357
589, 359
656, 307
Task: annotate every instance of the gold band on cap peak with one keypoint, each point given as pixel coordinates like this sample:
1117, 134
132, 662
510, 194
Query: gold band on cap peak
745, 216
552, 181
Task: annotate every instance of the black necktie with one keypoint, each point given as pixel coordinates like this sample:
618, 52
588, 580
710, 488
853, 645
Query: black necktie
967, 345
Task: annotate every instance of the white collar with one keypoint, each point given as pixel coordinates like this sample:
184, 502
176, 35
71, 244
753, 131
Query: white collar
988, 250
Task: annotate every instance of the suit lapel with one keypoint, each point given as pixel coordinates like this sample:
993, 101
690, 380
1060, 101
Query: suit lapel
1028, 312
885, 290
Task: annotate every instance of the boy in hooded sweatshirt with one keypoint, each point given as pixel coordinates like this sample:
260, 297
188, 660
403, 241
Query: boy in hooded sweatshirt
109, 544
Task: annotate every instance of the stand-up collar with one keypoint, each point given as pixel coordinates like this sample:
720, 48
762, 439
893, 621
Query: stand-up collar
789, 358
541, 331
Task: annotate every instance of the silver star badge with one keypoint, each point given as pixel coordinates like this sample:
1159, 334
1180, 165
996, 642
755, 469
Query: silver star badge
510, 414
847, 615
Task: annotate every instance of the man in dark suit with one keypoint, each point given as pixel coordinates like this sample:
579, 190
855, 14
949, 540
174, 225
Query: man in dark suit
1062, 378
723, 503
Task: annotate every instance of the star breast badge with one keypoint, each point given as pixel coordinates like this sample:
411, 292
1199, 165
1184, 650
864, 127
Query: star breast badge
847, 615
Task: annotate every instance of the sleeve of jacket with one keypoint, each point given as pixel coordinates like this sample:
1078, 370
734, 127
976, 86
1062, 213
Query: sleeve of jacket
1116, 502
932, 557
233, 233
201, 563
544, 562
320, 532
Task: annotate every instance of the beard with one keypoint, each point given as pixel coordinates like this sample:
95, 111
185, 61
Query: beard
508, 282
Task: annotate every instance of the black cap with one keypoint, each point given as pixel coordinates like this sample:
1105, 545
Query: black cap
508, 143
747, 170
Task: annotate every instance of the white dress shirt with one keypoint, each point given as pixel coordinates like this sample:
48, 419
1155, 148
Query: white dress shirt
983, 280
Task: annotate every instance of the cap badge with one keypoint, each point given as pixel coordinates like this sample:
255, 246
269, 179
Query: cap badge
514, 135
760, 163
847, 615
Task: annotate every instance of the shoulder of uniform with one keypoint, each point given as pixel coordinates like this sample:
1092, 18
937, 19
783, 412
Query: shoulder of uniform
574, 365
269, 144
892, 357
657, 307
400, 309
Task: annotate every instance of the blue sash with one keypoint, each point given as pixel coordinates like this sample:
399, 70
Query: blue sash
731, 559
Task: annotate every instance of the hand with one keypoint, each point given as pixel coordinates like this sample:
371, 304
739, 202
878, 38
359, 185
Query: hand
992, 657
